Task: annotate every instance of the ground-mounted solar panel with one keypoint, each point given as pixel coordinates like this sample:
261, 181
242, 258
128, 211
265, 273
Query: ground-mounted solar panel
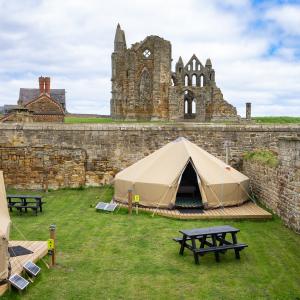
18, 282
106, 206
32, 268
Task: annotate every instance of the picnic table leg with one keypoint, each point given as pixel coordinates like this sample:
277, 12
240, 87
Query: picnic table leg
182, 245
214, 240
234, 241
202, 243
195, 253
222, 243
25, 204
10, 206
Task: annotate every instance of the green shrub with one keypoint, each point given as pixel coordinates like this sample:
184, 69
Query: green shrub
262, 156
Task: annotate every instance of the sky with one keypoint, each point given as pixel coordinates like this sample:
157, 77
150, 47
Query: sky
254, 47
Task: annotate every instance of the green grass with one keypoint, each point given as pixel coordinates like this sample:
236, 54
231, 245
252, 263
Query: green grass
265, 157
277, 120
115, 256
74, 120
260, 120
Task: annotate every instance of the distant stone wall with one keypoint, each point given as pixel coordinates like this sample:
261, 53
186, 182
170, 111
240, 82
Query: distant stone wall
34, 155
279, 188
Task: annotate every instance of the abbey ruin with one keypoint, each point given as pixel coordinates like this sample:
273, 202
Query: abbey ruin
145, 88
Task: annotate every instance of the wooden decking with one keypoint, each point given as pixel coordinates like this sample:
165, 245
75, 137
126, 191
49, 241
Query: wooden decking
39, 249
247, 210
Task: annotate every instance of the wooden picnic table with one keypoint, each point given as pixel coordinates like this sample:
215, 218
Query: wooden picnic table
21, 202
210, 239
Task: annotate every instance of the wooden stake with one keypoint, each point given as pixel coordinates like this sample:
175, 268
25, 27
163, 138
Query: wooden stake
52, 230
129, 202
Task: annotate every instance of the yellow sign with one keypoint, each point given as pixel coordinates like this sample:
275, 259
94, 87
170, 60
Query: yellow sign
50, 244
136, 198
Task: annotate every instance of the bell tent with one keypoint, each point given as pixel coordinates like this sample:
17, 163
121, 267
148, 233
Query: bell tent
4, 231
184, 175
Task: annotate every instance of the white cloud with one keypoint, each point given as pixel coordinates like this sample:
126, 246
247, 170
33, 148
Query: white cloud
287, 17
72, 41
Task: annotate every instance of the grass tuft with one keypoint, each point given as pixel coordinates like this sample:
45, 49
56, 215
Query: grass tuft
262, 156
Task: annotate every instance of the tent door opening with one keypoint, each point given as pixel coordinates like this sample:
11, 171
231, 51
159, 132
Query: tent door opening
188, 194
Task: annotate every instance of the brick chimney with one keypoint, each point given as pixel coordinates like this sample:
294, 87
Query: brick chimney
42, 85
47, 85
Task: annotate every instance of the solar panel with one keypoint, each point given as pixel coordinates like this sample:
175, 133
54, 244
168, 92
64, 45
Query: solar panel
18, 281
106, 206
32, 268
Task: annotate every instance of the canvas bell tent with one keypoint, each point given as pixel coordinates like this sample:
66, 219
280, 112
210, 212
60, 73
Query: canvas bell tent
182, 172
4, 231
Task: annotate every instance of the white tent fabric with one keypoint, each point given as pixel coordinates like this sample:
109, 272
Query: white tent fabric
4, 230
156, 177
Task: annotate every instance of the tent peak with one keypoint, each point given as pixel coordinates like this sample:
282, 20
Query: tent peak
180, 139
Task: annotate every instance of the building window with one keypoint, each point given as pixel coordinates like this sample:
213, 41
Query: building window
186, 80
201, 81
194, 80
147, 53
194, 106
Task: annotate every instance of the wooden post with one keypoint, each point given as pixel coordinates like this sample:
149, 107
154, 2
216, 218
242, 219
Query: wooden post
129, 201
52, 230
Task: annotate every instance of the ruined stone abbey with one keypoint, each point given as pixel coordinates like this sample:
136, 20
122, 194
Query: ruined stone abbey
145, 88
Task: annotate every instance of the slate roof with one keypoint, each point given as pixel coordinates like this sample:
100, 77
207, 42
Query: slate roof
8, 107
27, 95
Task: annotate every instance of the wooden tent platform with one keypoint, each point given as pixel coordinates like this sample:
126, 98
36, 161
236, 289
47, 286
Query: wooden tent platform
39, 249
248, 210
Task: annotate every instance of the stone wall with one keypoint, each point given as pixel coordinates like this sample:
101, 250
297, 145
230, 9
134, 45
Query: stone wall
43, 166
34, 155
279, 188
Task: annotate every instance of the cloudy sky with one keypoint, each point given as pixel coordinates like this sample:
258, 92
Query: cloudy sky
254, 47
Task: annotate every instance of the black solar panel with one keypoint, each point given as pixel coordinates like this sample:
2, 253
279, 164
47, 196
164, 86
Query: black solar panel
18, 281
32, 268
106, 206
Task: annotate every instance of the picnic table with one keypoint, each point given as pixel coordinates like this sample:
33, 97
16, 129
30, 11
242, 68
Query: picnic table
210, 239
21, 202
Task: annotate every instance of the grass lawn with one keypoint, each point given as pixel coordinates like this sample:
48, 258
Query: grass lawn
277, 120
114, 256
260, 120
74, 120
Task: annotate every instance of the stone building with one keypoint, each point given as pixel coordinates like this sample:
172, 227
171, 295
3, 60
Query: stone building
144, 86
38, 105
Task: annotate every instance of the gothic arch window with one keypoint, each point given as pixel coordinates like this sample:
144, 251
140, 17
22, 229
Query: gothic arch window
189, 67
201, 80
194, 64
145, 89
180, 69
199, 67
194, 80
186, 80
194, 106
172, 82
186, 107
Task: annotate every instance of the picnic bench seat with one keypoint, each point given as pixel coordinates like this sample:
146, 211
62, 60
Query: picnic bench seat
236, 247
25, 202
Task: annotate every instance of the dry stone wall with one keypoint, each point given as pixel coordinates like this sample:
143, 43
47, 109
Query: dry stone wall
279, 188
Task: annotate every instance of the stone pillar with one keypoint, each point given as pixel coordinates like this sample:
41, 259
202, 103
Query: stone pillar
248, 111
